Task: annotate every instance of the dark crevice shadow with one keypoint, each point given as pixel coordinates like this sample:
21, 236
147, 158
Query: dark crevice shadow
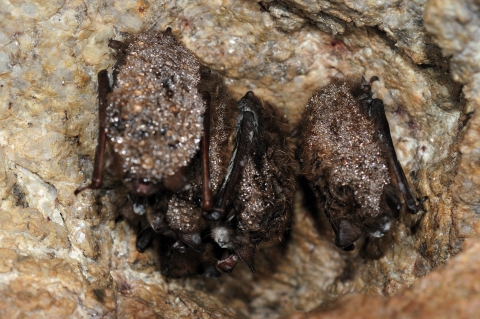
311, 205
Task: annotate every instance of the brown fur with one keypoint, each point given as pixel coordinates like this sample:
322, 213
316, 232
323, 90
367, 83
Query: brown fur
348, 162
154, 125
154, 113
174, 264
259, 210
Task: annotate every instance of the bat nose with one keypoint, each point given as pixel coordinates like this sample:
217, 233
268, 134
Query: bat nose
144, 188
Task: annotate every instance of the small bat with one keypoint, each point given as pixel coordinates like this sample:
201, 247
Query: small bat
347, 156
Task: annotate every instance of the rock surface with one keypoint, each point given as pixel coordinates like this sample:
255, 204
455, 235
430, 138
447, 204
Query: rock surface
401, 21
448, 292
72, 256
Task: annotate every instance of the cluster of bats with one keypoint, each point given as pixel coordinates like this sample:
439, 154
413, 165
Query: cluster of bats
211, 179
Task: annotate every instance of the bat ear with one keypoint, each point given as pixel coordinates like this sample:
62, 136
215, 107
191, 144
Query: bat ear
347, 234
228, 262
247, 254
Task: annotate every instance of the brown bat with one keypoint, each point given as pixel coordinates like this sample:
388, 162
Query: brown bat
254, 201
251, 176
347, 156
151, 122
167, 131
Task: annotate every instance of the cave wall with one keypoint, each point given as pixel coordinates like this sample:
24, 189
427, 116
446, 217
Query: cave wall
75, 256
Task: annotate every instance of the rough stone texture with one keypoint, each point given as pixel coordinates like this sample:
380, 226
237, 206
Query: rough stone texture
458, 36
401, 21
68, 256
448, 292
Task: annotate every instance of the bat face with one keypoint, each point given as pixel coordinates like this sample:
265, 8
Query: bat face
347, 156
177, 263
